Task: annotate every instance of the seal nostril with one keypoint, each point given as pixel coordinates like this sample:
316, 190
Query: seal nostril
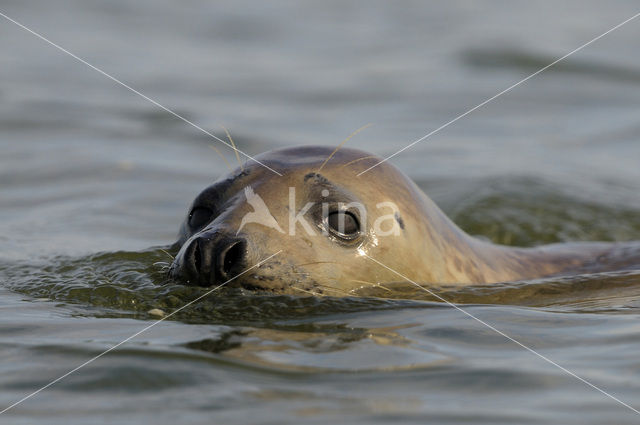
210, 259
232, 257
198, 264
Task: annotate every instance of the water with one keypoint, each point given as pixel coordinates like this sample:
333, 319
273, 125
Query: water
93, 180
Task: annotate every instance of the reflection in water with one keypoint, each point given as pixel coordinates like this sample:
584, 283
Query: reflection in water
91, 175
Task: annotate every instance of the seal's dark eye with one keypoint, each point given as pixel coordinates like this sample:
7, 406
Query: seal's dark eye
343, 224
199, 216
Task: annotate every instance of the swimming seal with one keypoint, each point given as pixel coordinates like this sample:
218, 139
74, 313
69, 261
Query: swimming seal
326, 220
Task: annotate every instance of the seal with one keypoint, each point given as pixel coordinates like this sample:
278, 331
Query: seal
326, 220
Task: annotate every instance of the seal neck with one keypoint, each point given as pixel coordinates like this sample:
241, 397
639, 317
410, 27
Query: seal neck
464, 259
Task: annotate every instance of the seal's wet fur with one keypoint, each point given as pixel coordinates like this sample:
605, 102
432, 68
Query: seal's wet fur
429, 248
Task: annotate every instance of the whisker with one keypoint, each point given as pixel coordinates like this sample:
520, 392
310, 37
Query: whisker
308, 292
235, 149
331, 288
222, 156
170, 256
163, 268
341, 144
376, 285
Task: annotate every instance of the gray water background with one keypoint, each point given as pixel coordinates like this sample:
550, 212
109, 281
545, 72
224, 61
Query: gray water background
87, 167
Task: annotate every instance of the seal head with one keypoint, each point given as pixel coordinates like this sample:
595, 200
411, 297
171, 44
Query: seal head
323, 220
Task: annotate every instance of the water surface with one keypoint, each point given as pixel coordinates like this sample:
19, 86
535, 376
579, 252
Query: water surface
95, 180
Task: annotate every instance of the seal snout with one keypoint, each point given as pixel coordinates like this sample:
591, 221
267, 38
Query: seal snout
211, 259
